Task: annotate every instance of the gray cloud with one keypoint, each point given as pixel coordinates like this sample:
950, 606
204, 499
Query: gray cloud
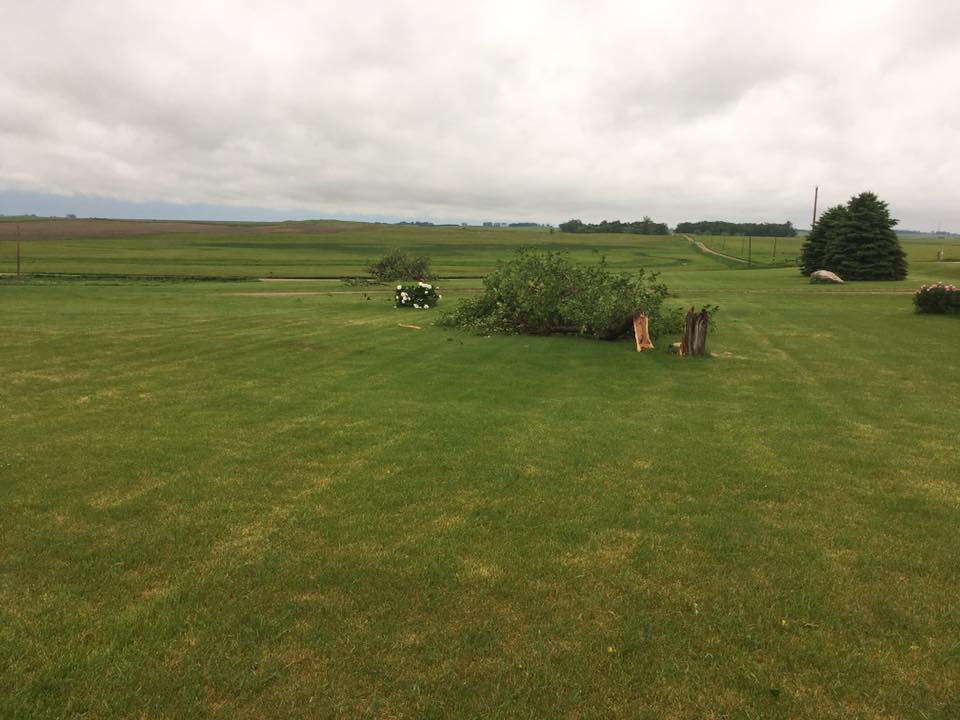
534, 110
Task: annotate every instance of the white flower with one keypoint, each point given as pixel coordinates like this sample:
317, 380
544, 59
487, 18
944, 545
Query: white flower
439, 297
428, 287
426, 307
399, 287
416, 306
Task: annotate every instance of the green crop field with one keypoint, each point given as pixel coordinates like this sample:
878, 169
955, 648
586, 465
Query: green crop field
271, 500
324, 249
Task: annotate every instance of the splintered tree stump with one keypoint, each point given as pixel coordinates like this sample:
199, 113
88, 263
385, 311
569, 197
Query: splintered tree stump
641, 331
695, 333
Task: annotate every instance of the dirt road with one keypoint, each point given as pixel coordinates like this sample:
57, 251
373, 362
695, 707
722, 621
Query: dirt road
711, 251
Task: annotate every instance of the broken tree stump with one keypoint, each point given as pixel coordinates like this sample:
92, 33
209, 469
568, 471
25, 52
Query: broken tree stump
695, 328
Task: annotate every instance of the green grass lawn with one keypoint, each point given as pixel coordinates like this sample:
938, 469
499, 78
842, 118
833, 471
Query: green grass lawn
219, 503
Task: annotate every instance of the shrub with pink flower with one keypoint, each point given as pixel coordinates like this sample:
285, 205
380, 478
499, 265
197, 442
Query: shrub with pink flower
937, 298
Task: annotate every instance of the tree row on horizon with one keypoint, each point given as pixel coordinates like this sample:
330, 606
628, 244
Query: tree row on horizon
638, 227
702, 227
722, 227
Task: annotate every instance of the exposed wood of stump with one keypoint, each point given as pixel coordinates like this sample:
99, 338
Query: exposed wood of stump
694, 340
641, 331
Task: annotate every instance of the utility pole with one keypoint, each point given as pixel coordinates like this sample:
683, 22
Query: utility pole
750, 251
816, 192
18, 250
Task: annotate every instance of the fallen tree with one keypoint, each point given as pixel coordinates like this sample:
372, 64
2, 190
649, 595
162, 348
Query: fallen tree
543, 293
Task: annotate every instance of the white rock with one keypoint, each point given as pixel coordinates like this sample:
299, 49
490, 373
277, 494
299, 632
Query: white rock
825, 276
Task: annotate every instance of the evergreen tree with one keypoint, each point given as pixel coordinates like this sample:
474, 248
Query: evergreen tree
863, 245
814, 249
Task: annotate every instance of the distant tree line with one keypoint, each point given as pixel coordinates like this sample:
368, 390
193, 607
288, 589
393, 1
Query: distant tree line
637, 227
721, 227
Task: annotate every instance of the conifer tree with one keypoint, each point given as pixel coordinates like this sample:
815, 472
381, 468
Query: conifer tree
814, 249
863, 245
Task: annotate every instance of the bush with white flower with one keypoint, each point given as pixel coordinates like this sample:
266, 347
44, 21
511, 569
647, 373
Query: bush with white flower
421, 296
937, 298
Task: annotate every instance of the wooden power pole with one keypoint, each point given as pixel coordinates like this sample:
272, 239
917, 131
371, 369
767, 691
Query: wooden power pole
816, 192
18, 250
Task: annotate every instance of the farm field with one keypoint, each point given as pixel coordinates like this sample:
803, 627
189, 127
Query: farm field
334, 249
253, 500
326, 249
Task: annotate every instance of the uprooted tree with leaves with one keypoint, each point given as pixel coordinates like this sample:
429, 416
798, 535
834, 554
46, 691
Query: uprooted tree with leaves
542, 292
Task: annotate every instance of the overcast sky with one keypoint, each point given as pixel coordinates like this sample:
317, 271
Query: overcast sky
515, 110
